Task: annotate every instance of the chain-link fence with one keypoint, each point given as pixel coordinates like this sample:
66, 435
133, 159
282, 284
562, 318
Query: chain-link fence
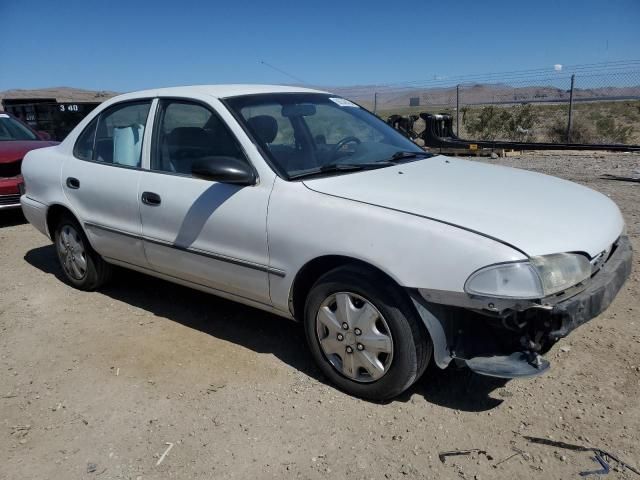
597, 103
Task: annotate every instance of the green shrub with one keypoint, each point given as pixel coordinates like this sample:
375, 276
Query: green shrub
580, 132
512, 123
486, 125
608, 131
519, 125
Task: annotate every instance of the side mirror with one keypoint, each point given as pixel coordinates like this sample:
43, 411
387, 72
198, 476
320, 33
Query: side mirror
43, 135
223, 169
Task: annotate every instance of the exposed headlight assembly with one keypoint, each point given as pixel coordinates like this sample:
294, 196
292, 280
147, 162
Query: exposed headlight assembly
540, 277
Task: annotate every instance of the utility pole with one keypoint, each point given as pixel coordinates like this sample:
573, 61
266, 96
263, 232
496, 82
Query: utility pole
458, 110
573, 78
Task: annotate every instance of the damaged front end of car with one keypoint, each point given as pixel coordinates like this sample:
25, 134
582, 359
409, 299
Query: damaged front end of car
507, 336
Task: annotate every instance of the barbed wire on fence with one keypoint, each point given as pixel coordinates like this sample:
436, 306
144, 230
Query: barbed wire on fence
591, 103
496, 77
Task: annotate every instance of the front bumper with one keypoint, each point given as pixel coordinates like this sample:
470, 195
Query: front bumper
596, 298
9, 201
10, 191
509, 344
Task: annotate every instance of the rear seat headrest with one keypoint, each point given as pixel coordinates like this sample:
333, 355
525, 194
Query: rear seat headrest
264, 126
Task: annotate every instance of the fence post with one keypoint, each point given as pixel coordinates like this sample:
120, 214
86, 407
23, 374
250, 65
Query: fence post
573, 78
375, 101
457, 110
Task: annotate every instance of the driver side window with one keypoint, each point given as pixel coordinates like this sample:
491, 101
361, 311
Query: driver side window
187, 132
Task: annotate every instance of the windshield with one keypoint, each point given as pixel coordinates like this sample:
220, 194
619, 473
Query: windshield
306, 133
11, 129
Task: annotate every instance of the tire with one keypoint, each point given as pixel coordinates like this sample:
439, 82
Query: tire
398, 361
83, 268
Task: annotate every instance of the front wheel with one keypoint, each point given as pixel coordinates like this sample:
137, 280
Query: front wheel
81, 264
364, 333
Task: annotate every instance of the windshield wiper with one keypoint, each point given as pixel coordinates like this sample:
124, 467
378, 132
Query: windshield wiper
402, 155
341, 167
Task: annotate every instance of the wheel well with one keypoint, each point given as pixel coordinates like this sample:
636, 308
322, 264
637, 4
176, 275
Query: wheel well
313, 270
54, 214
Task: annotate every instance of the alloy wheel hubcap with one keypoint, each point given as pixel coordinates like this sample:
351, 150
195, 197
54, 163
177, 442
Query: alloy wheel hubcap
72, 253
354, 337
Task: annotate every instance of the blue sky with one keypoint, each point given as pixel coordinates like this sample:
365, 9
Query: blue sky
129, 45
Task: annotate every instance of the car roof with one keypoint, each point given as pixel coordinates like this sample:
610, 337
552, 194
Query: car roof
221, 91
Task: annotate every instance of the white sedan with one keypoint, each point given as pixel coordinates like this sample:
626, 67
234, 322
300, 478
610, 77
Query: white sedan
304, 204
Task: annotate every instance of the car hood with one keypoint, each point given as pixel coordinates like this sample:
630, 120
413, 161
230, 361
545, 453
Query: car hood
537, 214
13, 150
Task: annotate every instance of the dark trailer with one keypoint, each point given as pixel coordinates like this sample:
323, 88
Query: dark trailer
48, 114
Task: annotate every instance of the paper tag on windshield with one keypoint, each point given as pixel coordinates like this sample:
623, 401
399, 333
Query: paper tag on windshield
4, 115
342, 102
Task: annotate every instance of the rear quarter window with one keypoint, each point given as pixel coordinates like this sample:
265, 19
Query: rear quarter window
83, 148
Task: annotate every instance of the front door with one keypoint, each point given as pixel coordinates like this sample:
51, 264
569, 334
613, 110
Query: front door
101, 181
208, 233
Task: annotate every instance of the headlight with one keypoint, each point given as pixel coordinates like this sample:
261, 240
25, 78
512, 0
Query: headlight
537, 278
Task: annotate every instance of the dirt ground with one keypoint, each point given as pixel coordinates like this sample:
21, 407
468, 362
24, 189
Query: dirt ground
99, 385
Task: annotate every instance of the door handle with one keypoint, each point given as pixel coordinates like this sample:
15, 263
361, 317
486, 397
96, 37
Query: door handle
150, 198
73, 183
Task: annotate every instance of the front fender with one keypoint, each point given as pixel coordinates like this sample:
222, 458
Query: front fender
415, 252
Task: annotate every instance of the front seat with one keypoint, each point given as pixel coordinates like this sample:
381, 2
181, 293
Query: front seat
184, 145
265, 127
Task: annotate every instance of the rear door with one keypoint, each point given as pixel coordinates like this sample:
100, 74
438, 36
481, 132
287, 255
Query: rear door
101, 180
209, 233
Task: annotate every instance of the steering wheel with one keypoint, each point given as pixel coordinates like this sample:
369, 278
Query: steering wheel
336, 148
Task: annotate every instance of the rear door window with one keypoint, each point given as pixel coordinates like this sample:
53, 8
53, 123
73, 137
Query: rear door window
119, 132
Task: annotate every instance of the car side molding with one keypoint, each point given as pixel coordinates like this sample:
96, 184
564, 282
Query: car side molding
196, 251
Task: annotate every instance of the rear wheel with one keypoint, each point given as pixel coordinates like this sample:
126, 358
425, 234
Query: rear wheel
364, 333
82, 266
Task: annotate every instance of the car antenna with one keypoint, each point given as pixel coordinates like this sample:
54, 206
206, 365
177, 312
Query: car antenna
297, 79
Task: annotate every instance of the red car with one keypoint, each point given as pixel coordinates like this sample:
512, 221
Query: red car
16, 139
